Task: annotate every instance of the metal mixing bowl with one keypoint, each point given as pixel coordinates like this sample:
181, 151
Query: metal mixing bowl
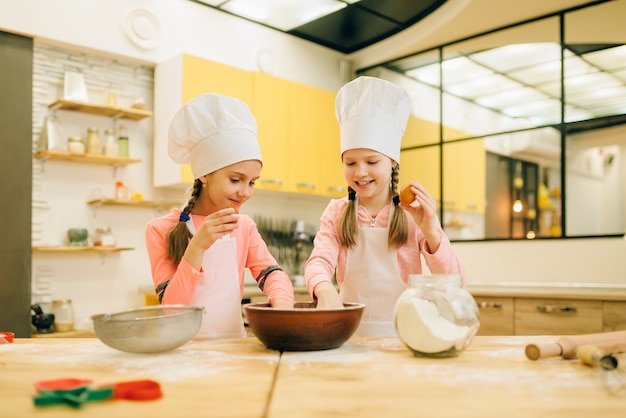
152, 329
304, 328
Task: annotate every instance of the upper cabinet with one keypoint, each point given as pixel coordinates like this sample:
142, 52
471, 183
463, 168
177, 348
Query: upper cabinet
176, 82
298, 133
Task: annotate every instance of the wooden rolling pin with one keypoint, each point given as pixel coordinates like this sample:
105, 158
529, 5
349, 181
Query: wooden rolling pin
566, 347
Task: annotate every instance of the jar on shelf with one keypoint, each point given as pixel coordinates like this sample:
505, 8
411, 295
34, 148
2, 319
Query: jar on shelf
111, 149
122, 192
122, 142
104, 237
436, 316
63, 315
75, 145
94, 146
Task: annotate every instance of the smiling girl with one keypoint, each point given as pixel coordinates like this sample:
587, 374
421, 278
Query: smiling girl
198, 255
369, 240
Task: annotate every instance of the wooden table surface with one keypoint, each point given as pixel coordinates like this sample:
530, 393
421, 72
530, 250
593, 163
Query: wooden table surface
375, 377
203, 378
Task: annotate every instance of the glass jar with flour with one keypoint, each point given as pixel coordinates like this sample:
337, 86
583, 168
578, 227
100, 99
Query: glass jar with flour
436, 316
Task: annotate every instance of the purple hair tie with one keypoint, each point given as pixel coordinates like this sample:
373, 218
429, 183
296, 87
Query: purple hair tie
184, 216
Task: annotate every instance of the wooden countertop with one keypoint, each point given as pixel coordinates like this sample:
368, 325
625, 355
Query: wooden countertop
364, 378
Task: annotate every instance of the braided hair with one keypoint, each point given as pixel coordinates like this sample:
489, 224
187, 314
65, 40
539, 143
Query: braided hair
179, 236
398, 224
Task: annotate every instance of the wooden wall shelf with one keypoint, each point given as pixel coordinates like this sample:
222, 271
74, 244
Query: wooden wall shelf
102, 110
73, 249
136, 203
85, 158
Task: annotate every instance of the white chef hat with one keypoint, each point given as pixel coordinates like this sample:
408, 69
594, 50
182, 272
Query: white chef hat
372, 113
211, 132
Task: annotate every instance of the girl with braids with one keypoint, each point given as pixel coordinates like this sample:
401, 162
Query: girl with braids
198, 255
369, 240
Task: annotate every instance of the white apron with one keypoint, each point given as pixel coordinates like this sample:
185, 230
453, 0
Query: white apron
372, 278
218, 290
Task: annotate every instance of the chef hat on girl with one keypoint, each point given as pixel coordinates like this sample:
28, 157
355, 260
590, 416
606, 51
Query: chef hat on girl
213, 131
372, 113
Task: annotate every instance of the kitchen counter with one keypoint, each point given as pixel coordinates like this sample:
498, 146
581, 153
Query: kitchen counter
587, 291
364, 378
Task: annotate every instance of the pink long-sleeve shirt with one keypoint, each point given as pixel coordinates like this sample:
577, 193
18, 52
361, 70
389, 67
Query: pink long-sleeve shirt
328, 254
252, 253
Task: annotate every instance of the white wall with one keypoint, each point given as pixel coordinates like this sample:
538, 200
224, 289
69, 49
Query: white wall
183, 26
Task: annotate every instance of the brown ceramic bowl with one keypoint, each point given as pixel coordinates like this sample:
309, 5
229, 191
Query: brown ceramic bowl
303, 328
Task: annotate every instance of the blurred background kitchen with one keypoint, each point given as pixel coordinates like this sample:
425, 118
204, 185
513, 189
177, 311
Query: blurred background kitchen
152, 56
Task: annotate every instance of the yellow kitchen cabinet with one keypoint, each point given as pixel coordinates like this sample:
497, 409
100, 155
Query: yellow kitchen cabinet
333, 181
270, 105
176, 82
420, 132
421, 164
305, 150
464, 176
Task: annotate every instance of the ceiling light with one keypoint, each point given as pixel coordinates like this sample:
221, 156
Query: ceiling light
517, 56
282, 14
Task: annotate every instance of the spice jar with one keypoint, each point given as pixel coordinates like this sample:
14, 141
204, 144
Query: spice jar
436, 316
63, 315
75, 145
94, 146
122, 142
111, 148
104, 237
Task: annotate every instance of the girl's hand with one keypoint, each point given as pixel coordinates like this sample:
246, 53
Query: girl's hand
327, 296
213, 227
424, 213
282, 304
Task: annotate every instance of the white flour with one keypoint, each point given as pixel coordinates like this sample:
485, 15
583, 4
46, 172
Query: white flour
422, 328
190, 360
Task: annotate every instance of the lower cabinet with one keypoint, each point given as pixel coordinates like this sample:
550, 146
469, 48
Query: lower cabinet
614, 316
548, 316
557, 316
496, 316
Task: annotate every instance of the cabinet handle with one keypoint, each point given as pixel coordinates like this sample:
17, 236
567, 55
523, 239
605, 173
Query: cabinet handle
555, 309
272, 181
337, 189
489, 305
306, 185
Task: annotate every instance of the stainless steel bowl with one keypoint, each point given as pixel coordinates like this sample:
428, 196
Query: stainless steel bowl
152, 329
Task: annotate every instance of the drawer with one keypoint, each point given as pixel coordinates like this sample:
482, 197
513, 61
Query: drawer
496, 315
614, 316
557, 316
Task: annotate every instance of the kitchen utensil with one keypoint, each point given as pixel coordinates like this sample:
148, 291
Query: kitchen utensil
593, 356
41, 321
613, 379
303, 328
75, 392
566, 347
151, 329
6, 337
77, 236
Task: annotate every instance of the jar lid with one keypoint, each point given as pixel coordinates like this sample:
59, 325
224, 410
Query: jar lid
75, 139
103, 229
92, 129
